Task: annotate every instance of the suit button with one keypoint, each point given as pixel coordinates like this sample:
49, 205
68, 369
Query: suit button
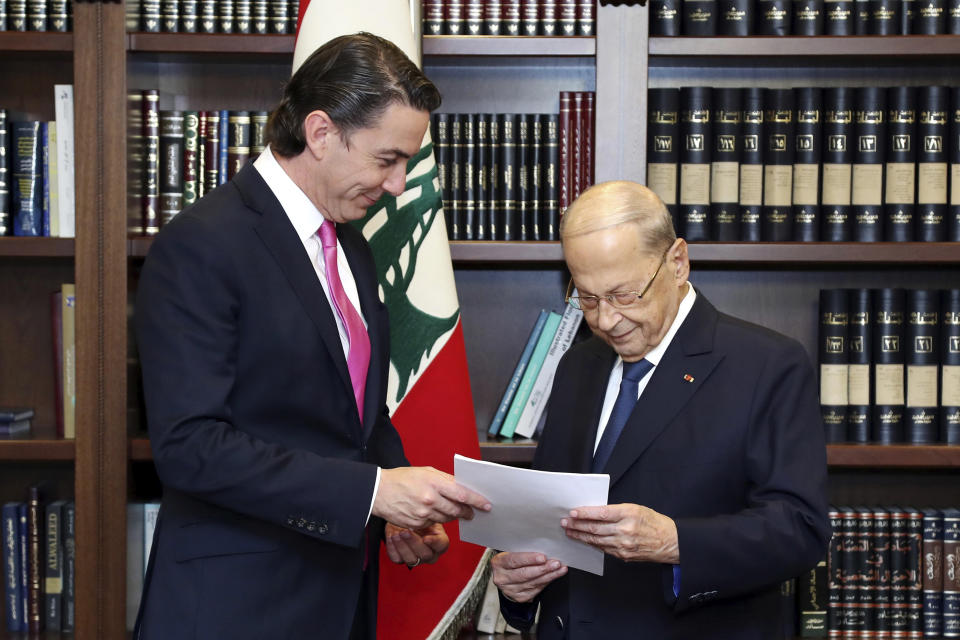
559, 622
322, 529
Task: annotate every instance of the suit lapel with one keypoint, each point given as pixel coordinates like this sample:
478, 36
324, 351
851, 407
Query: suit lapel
584, 417
685, 366
278, 234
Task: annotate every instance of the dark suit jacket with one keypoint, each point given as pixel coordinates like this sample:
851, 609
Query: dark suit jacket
735, 456
267, 474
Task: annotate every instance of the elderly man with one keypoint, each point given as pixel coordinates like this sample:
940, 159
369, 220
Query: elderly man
709, 428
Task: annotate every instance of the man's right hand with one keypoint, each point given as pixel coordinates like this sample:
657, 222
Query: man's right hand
414, 497
521, 576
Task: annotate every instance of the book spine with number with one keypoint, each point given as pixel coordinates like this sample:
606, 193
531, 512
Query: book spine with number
27, 174
150, 183
497, 422
663, 146
725, 165
953, 218
806, 164
540, 392
859, 341
508, 195
933, 105
838, 136
549, 191
838, 17
932, 573
901, 168
834, 362
735, 17
665, 17
12, 594
695, 157
530, 374
921, 421
888, 366
171, 164
53, 565
751, 164
950, 366
779, 130
238, 141
951, 574
867, 181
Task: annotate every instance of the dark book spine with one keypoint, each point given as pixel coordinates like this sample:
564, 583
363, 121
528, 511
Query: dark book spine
933, 103
725, 165
13, 597
950, 366
494, 176
508, 224
779, 131
812, 601
665, 17
663, 146
510, 18
456, 177
223, 132
806, 164
482, 167
838, 17
885, 17
899, 572
880, 566
586, 18
35, 550
5, 175
901, 169
922, 360
69, 567
951, 576
735, 17
524, 229
535, 154
293, 15
751, 164
4, 25
171, 164
258, 132
17, 17
834, 362
699, 17
238, 141
548, 18
190, 157
953, 221
189, 16
53, 565
261, 16
440, 132
888, 366
852, 621
150, 16
59, 16
474, 21
869, 156
549, 177
695, 157
835, 573
36, 15
567, 24
566, 152
27, 173
861, 17
953, 19
837, 163
468, 168
932, 573
906, 17
588, 127
242, 16
576, 146
208, 15
45, 173
201, 153
279, 15
914, 567
170, 15
24, 540
433, 17
150, 187
225, 16
134, 162
930, 18
492, 18
808, 17
859, 385
211, 152
529, 17
774, 17
865, 621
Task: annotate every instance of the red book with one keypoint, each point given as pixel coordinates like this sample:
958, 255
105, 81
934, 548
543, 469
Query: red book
587, 124
585, 18
567, 24
565, 153
474, 24
211, 151
432, 17
453, 17
577, 151
548, 18
529, 17
510, 17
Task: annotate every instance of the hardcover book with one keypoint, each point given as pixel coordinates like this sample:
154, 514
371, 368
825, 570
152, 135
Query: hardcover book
27, 175
695, 157
901, 164
5, 175
665, 17
699, 17
834, 362
838, 139
888, 366
725, 165
735, 17
150, 185
774, 17
171, 164
808, 17
497, 422
806, 165
549, 187
951, 576
663, 150
933, 105
779, 131
751, 164
953, 219
922, 358
507, 218
950, 366
932, 573
868, 161
859, 342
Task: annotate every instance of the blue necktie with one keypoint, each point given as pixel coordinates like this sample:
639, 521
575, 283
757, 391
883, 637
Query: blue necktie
633, 372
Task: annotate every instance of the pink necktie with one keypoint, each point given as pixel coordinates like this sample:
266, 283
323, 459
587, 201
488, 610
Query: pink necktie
358, 358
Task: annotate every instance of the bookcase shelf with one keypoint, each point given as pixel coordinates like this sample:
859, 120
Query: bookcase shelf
211, 43
893, 456
36, 41
509, 46
37, 247
41, 445
808, 46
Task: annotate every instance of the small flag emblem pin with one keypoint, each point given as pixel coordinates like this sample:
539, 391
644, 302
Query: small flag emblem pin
688, 377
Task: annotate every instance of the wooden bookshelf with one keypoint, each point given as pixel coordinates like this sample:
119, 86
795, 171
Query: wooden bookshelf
42, 444
37, 247
808, 46
36, 41
512, 46
211, 43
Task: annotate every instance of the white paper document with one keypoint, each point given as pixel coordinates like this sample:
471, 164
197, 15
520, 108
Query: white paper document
527, 509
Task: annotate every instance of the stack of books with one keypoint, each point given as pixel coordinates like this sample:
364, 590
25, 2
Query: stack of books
15, 421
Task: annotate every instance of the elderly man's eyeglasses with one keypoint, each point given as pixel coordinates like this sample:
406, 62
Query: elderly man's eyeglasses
618, 299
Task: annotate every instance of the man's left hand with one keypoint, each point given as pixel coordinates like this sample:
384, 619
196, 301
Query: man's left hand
416, 546
631, 532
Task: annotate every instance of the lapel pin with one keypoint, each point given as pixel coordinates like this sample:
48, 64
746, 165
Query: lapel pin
688, 377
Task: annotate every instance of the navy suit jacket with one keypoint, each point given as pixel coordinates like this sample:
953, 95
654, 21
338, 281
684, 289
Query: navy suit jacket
726, 440
267, 473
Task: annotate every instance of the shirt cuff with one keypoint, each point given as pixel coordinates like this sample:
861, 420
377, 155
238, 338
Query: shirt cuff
376, 485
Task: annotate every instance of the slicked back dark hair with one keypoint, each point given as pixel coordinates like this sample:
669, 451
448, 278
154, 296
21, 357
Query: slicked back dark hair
353, 79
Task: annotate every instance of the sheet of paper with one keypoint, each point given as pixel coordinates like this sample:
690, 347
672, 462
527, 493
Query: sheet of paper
527, 508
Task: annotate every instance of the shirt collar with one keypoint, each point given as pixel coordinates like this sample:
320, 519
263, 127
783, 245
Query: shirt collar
304, 216
655, 354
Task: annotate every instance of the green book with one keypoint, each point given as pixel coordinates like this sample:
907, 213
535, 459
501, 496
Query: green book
530, 375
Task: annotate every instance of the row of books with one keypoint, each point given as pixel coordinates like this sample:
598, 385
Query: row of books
15, 421
807, 164
508, 17
803, 17
36, 15
39, 551
890, 365
37, 172
890, 572
141, 523
509, 176
521, 411
175, 157
212, 16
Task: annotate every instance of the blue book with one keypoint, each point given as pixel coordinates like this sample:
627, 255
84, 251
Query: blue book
517, 375
45, 176
530, 375
27, 174
224, 150
69, 565
12, 595
24, 564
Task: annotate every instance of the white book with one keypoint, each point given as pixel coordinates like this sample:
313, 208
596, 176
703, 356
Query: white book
66, 210
537, 401
135, 561
501, 623
68, 301
150, 512
489, 609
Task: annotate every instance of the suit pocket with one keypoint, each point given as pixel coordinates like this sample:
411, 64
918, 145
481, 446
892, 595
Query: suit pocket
211, 539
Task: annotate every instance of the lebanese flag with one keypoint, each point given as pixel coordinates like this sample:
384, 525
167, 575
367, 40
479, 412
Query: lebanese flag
429, 388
